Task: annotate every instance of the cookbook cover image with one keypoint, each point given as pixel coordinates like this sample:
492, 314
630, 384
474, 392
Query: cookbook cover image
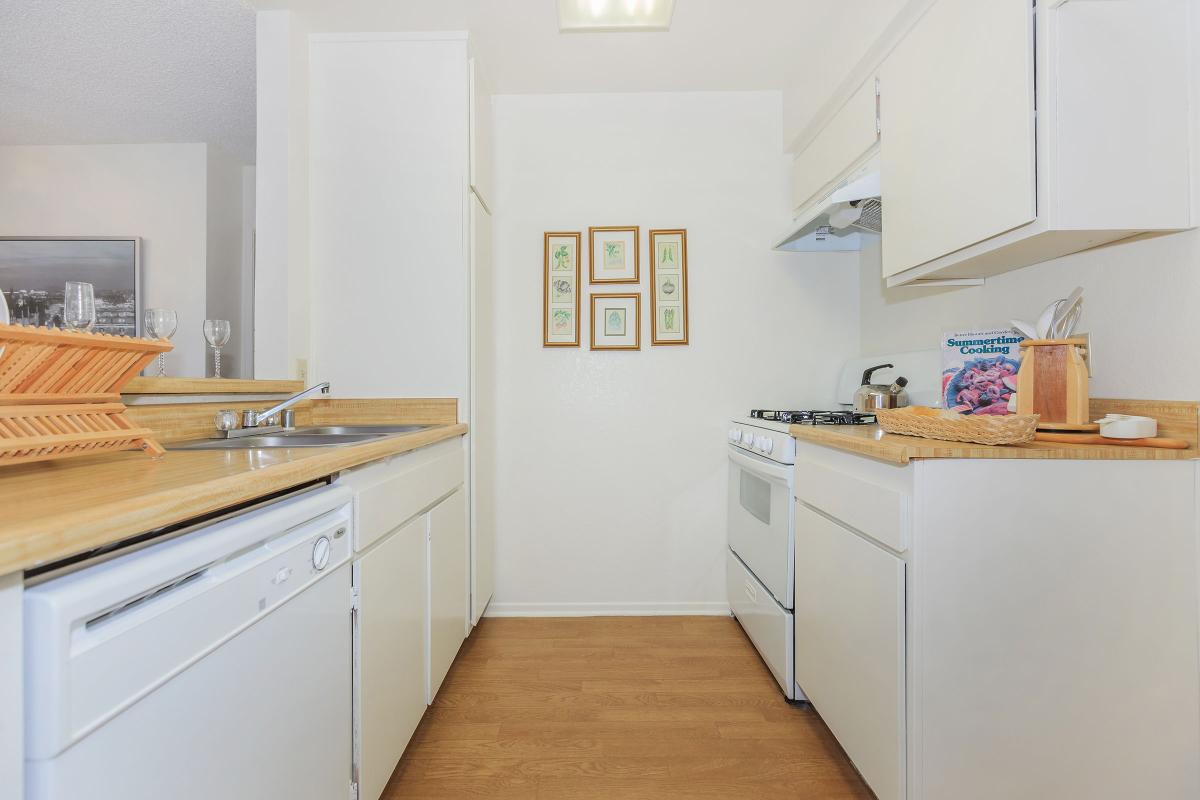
979, 371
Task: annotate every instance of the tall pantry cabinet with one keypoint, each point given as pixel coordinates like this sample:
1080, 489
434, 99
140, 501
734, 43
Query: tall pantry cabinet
400, 233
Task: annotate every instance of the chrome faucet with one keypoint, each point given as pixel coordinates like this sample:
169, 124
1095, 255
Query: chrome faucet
257, 419
252, 421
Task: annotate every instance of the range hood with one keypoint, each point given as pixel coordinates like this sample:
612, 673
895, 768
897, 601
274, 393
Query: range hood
839, 221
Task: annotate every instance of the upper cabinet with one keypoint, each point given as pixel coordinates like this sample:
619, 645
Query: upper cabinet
1013, 134
959, 112
838, 148
389, 182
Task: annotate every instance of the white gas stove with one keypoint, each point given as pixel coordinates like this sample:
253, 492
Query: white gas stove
760, 568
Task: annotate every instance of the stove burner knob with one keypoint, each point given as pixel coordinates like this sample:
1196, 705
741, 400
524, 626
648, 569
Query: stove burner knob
735, 435
766, 444
748, 438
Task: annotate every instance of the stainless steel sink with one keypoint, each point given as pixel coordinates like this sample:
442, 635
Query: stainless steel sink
278, 440
330, 430
315, 436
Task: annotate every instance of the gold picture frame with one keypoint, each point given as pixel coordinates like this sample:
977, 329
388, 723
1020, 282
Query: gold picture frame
668, 286
560, 288
616, 321
615, 250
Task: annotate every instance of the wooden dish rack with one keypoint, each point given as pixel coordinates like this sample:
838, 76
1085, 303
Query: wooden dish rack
60, 393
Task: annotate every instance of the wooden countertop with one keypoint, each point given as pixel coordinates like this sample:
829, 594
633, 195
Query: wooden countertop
870, 440
54, 509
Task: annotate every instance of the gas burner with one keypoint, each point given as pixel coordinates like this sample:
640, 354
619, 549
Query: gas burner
815, 417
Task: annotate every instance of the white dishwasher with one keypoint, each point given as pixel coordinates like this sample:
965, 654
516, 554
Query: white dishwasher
213, 665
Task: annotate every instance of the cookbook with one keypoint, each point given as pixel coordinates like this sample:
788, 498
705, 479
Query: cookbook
979, 371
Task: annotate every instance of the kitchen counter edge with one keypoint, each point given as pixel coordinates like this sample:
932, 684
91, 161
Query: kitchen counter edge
871, 441
33, 539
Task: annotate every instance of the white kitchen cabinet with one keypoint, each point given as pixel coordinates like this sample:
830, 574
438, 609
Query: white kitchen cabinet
410, 574
390, 652
449, 614
400, 181
1039, 635
1013, 134
849, 621
388, 190
958, 112
482, 436
842, 145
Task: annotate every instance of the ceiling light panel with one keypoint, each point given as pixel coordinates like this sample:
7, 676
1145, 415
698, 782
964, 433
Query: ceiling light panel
615, 15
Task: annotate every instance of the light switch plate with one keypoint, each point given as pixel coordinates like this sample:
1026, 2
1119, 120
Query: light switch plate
302, 370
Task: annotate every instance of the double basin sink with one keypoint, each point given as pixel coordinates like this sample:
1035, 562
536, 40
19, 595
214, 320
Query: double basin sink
316, 436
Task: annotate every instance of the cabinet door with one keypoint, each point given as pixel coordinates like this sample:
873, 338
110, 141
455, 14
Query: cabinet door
850, 645
390, 652
837, 148
483, 422
389, 137
957, 145
448, 575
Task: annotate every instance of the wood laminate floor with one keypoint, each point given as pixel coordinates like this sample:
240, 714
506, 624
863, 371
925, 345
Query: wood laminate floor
609, 708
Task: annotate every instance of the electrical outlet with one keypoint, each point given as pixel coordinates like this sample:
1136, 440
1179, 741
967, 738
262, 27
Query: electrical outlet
302, 370
1088, 360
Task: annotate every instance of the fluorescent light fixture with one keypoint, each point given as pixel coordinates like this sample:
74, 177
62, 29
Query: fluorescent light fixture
615, 15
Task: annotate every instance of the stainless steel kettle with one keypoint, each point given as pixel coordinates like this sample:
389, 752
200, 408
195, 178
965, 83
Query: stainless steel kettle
871, 396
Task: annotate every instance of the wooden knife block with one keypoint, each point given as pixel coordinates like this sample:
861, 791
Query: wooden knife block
1053, 383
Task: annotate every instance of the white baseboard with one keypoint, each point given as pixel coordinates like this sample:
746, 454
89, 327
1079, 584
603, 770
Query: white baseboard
605, 609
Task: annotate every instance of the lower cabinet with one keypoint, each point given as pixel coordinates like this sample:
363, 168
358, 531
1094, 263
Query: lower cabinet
412, 577
850, 645
449, 576
390, 652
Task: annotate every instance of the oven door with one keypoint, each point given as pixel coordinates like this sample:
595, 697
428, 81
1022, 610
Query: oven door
761, 514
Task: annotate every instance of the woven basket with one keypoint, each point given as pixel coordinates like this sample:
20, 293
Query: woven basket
982, 429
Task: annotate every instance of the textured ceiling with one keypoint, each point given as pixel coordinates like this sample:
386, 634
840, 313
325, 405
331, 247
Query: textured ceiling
131, 71
128, 71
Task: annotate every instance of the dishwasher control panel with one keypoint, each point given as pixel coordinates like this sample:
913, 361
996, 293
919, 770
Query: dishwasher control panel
302, 555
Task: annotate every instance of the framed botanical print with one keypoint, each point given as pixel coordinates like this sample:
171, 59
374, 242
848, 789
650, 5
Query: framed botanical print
560, 290
614, 255
668, 287
616, 322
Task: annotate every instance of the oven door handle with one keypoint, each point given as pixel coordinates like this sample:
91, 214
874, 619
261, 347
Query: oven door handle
763, 467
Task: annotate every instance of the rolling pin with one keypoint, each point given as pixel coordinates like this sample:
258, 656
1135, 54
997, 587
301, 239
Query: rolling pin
1095, 438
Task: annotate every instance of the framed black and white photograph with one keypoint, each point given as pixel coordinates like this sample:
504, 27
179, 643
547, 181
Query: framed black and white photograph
34, 272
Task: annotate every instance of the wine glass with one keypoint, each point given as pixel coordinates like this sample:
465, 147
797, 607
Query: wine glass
161, 324
216, 333
79, 306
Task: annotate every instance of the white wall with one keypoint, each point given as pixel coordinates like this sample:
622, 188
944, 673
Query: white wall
1140, 305
611, 470
154, 191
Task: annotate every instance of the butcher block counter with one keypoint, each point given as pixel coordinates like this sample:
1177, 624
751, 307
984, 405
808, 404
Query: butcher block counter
1179, 420
55, 509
